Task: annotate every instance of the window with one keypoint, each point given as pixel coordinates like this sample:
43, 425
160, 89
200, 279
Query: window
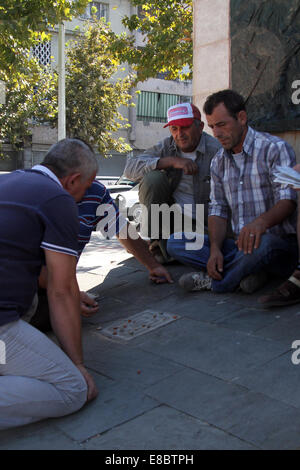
42, 51
102, 10
153, 106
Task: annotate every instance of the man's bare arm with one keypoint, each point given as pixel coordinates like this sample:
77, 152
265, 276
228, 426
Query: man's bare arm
88, 306
64, 307
189, 167
140, 250
217, 229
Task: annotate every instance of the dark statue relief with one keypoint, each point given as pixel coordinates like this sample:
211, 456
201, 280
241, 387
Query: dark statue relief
265, 61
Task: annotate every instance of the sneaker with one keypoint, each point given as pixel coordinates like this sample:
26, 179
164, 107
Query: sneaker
287, 293
253, 282
195, 281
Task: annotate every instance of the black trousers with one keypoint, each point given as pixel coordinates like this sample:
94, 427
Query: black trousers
41, 318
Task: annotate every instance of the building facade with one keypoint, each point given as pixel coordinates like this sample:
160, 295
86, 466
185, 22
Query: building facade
146, 118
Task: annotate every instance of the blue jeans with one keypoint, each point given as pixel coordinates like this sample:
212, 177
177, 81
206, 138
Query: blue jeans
276, 255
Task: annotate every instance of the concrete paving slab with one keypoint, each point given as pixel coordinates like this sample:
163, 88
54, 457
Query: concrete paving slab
110, 309
87, 281
252, 417
119, 362
249, 320
126, 271
198, 307
278, 379
198, 394
165, 428
220, 377
267, 423
37, 436
106, 284
210, 348
117, 403
285, 329
147, 291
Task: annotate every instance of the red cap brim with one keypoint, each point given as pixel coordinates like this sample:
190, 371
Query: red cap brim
180, 122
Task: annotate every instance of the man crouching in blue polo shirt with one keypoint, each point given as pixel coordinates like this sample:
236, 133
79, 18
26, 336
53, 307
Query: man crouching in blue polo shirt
38, 224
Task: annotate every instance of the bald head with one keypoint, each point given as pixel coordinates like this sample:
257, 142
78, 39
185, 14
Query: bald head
69, 156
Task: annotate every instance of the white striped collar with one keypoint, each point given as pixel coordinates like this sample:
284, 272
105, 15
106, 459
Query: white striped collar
46, 171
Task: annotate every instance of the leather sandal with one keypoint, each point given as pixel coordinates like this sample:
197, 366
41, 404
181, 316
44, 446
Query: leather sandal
287, 293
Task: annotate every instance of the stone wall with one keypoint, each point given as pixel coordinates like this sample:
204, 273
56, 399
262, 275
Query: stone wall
211, 63
252, 46
12, 159
265, 58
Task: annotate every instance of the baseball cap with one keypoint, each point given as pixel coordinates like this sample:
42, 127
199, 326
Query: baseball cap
182, 114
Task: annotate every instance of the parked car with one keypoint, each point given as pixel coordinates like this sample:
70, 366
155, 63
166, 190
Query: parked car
122, 184
129, 204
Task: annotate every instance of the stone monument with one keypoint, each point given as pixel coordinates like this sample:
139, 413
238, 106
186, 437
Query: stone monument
253, 47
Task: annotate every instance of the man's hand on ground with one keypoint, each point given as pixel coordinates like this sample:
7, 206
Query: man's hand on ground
88, 305
160, 275
92, 388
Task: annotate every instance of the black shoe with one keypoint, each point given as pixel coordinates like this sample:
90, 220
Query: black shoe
253, 282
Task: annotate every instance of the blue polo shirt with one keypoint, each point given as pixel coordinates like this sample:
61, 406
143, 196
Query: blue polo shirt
97, 211
36, 214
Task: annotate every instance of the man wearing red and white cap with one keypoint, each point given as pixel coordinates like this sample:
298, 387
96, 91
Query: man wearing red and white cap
177, 169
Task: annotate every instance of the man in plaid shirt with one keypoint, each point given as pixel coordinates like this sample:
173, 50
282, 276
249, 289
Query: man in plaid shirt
262, 212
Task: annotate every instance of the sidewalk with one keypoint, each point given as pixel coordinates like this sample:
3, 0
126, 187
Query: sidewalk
217, 374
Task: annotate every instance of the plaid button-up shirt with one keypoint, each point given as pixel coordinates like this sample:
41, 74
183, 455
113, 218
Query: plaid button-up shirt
250, 190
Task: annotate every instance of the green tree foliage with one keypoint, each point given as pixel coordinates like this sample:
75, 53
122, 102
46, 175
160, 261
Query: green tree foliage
23, 22
31, 98
30, 89
166, 26
93, 93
